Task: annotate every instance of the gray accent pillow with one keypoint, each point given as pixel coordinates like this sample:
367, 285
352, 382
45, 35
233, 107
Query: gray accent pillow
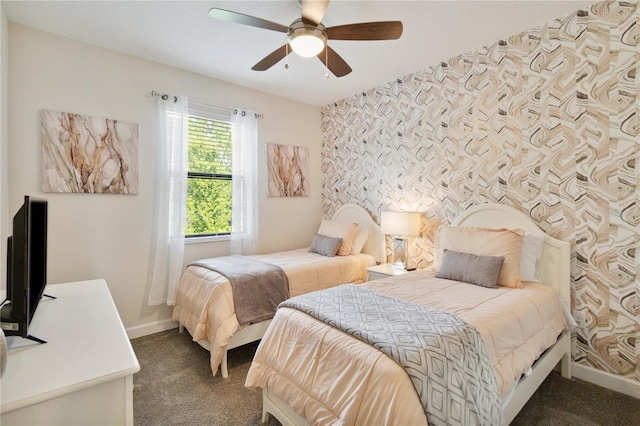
326, 246
470, 268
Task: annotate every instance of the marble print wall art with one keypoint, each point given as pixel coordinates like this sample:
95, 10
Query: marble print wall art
88, 155
287, 171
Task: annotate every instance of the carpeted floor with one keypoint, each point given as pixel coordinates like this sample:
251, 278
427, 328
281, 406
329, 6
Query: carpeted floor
175, 387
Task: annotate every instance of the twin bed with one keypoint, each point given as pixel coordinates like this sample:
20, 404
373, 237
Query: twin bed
205, 301
378, 352
323, 362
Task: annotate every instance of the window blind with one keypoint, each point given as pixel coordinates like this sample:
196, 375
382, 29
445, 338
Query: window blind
209, 183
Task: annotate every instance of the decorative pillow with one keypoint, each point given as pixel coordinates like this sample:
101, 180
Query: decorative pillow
470, 268
360, 240
336, 229
326, 246
484, 242
531, 253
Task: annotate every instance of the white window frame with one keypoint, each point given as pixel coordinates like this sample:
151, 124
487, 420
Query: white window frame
215, 113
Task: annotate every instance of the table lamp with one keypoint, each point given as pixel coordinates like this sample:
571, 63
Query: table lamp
401, 226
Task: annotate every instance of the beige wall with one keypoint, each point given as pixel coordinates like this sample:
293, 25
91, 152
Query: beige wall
107, 236
545, 121
4, 141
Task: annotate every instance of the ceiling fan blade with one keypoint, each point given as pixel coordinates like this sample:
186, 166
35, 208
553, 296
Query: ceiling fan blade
272, 58
252, 21
336, 64
387, 30
313, 10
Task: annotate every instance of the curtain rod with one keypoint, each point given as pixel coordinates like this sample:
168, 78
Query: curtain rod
244, 113
163, 96
235, 111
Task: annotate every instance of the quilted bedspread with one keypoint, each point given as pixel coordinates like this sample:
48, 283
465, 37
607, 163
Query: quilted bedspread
329, 377
444, 356
205, 301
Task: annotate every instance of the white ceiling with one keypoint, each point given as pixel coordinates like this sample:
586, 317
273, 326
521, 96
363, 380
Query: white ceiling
181, 34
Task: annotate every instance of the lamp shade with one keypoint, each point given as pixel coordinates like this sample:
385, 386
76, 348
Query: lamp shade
400, 223
307, 40
306, 45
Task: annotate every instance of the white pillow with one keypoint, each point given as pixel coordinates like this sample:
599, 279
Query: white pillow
337, 229
361, 239
531, 252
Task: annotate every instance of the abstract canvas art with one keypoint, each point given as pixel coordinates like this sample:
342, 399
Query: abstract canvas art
287, 171
88, 154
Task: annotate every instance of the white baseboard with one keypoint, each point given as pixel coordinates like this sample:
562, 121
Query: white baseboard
610, 381
150, 328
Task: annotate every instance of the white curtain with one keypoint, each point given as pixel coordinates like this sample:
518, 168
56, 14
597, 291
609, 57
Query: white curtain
170, 198
244, 205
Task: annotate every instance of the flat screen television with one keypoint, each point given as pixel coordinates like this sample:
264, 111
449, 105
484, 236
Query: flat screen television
26, 268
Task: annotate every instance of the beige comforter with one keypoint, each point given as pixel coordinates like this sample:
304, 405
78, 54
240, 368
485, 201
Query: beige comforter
329, 377
204, 301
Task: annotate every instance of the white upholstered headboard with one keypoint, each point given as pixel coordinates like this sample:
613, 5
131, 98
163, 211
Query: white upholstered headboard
375, 242
556, 254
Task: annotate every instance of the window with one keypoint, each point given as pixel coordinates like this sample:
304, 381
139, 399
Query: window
209, 184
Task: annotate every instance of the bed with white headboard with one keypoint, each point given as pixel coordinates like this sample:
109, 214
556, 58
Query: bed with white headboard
298, 401
554, 269
205, 304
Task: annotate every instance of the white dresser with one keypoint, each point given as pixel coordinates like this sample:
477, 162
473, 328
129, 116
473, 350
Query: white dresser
83, 374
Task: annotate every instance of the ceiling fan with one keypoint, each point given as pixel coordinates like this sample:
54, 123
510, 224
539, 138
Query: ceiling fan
308, 37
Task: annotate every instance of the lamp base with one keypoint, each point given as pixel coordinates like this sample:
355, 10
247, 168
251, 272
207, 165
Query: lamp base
400, 258
398, 266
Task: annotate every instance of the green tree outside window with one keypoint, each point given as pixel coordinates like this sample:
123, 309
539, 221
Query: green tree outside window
209, 178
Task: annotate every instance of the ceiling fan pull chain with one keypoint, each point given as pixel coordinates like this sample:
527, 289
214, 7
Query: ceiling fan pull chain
326, 63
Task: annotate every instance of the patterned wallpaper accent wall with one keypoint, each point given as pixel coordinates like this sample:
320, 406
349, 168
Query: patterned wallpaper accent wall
545, 121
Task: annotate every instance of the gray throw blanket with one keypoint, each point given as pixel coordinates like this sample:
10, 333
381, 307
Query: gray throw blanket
258, 287
444, 356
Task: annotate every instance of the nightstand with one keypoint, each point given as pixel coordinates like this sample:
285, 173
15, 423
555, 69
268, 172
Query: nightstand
383, 271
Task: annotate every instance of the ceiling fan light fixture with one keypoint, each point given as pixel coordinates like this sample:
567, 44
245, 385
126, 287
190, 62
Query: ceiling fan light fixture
306, 40
307, 45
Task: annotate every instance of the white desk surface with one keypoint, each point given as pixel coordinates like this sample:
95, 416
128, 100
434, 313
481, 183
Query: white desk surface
86, 345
